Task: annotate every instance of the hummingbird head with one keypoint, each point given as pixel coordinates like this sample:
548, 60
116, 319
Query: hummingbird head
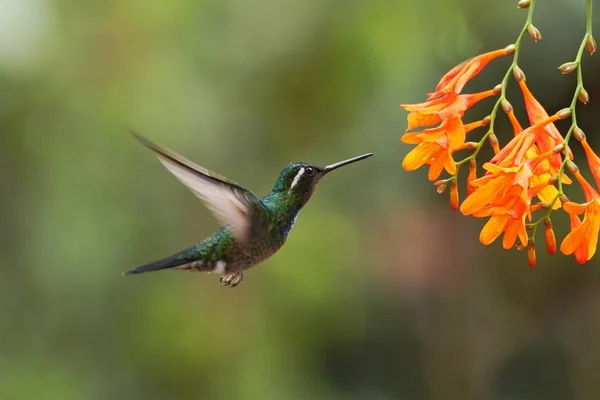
298, 180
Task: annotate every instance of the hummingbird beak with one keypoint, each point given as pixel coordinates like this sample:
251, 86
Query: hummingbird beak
331, 167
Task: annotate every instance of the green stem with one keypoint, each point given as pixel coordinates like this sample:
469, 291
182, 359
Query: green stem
504, 85
573, 108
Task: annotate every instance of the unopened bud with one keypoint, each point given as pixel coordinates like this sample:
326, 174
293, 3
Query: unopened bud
506, 106
563, 198
531, 254
583, 96
510, 49
550, 238
590, 44
518, 74
559, 148
470, 146
564, 113
519, 246
441, 187
486, 121
553, 180
572, 167
497, 90
454, 195
568, 67
578, 134
472, 176
524, 3
494, 143
534, 33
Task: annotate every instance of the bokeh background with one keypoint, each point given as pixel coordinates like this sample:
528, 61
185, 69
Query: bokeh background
381, 292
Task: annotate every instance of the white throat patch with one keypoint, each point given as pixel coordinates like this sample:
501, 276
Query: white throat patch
296, 179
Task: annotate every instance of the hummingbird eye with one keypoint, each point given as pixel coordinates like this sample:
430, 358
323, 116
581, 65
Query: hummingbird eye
309, 171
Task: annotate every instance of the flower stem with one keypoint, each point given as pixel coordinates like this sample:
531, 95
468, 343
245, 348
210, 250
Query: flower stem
504, 85
573, 108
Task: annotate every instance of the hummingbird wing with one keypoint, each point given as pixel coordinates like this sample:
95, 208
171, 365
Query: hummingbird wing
232, 204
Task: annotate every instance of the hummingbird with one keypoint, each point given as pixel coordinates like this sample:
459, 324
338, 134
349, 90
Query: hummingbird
253, 229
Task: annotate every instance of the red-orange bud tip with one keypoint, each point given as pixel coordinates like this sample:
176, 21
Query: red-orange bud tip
510, 49
518, 74
553, 180
583, 96
572, 167
441, 188
550, 237
534, 33
564, 113
524, 3
486, 121
543, 204
497, 89
531, 254
568, 67
559, 148
454, 195
506, 106
578, 134
590, 44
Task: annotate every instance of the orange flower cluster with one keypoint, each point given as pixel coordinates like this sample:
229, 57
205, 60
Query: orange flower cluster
525, 176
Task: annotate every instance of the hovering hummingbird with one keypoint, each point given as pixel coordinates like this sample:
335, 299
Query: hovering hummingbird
254, 229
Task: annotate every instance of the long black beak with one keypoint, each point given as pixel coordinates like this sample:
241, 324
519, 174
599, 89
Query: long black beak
331, 167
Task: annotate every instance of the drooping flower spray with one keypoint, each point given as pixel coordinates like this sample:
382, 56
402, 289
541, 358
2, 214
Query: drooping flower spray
523, 184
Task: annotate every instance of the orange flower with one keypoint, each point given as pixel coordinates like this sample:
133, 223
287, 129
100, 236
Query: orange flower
504, 194
456, 79
435, 111
583, 238
514, 152
593, 161
435, 147
543, 171
536, 112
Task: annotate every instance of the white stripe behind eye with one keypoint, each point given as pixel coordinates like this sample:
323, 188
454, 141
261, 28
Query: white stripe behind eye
296, 179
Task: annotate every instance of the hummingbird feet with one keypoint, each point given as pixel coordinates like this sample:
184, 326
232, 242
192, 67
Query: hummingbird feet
232, 279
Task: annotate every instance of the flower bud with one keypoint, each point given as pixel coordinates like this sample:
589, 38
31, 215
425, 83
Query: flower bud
534, 33
568, 67
518, 74
531, 254
486, 121
583, 96
441, 187
563, 198
469, 146
497, 89
506, 106
523, 3
590, 44
510, 49
493, 139
454, 195
553, 180
550, 238
544, 204
559, 148
564, 113
472, 176
578, 134
572, 167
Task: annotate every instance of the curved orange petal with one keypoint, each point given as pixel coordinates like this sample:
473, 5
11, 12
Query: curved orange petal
419, 156
492, 229
574, 208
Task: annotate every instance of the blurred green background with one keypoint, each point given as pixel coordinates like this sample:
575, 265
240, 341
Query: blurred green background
381, 291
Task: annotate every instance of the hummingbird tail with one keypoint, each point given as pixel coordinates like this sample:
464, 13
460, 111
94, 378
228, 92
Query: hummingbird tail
167, 262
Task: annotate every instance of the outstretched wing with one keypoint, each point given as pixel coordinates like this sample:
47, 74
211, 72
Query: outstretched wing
232, 204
